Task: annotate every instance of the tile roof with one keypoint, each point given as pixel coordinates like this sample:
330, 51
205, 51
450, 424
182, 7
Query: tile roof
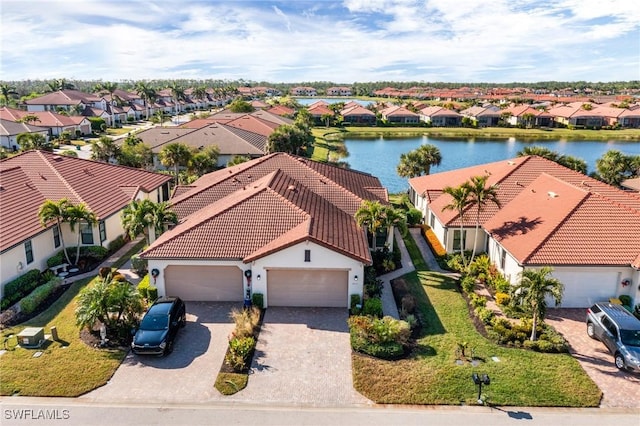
13, 128
272, 202
64, 97
45, 118
281, 110
437, 111
30, 178
550, 214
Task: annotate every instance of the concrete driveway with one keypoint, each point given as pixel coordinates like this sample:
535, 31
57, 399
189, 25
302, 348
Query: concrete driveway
186, 375
619, 388
303, 357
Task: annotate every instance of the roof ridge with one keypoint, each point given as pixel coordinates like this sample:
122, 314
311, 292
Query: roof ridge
62, 179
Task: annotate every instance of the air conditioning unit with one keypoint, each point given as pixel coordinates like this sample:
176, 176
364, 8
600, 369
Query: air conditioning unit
31, 337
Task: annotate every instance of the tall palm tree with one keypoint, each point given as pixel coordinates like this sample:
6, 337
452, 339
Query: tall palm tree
419, 161
394, 218
140, 216
104, 149
147, 93
175, 155
7, 91
79, 214
57, 211
29, 119
161, 216
370, 216
59, 84
110, 88
532, 290
28, 141
612, 167
177, 92
479, 196
459, 202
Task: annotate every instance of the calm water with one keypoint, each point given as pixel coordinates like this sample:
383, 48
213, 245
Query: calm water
381, 156
309, 101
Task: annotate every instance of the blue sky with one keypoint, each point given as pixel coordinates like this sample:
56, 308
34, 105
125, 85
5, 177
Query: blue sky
323, 40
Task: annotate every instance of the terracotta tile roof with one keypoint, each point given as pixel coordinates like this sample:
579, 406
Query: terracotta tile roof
64, 97
13, 128
272, 202
358, 110
35, 176
281, 110
319, 110
45, 118
436, 111
397, 111
253, 124
550, 214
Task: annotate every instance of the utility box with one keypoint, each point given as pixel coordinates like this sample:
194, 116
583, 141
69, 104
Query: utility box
31, 337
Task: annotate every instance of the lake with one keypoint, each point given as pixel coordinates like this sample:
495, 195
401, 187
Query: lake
309, 101
381, 156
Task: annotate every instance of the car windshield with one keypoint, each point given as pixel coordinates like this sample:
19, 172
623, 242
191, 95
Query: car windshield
155, 322
630, 337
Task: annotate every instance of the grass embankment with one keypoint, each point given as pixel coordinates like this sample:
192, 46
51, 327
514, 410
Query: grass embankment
431, 376
67, 367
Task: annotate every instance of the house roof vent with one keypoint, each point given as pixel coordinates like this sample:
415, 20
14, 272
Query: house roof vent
552, 194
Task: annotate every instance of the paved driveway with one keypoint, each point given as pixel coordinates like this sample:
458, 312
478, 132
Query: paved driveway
303, 356
619, 388
188, 374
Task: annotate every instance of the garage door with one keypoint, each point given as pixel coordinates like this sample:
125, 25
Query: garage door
204, 283
306, 287
582, 290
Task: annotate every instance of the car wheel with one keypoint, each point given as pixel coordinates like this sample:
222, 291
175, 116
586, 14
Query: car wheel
169, 348
619, 360
183, 321
590, 330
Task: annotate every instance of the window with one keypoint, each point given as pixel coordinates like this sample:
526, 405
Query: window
307, 255
28, 251
87, 233
56, 236
503, 258
102, 229
432, 220
458, 239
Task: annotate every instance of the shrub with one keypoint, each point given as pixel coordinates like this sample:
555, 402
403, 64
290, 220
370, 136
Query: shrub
477, 301
432, 240
408, 304
95, 253
372, 307
372, 287
118, 277
18, 288
116, 244
257, 300
152, 293
414, 216
31, 302
140, 266
246, 321
239, 352
485, 315
355, 304
468, 284
382, 338
502, 299
625, 299
143, 286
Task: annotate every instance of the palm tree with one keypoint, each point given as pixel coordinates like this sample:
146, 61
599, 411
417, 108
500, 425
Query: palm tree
204, 161
419, 161
76, 215
540, 151
612, 167
394, 218
28, 141
29, 119
55, 210
59, 84
479, 195
370, 216
104, 149
110, 88
161, 216
459, 202
139, 217
147, 93
532, 290
175, 155
178, 94
7, 91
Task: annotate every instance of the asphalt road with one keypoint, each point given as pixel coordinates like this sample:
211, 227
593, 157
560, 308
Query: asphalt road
60, 411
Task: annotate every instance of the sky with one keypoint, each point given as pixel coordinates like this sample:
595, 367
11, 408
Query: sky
459, 41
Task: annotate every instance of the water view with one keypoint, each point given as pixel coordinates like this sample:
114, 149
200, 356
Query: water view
309, 101
381, 156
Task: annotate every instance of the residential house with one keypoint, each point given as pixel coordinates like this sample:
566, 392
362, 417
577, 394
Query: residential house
358, 115
279, 225
586, 230
73, 102
483, 116
440, 117
282, 111
339, 91
10, 130
526, 116
56, 124
318, 112
303, 91
399, 115
30, 178
580, 114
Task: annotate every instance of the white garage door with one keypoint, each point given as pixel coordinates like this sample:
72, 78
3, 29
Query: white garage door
582, 290
320, 288
204, 283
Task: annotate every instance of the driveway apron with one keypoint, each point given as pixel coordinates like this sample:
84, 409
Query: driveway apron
303, 356
619, 388
186, 375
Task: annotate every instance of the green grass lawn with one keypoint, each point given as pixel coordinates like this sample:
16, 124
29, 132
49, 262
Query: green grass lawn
66, 368
431, 376
113, 131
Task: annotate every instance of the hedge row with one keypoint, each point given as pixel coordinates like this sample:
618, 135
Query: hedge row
94, 252
20, 287
31, 302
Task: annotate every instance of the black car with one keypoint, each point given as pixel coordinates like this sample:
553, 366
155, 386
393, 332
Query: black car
159, 326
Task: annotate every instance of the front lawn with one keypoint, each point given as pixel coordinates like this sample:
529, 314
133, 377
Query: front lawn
431, 376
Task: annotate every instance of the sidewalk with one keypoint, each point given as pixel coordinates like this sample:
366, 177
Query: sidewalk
389, 306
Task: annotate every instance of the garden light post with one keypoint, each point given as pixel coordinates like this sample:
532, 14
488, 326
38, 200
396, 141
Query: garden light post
480, 380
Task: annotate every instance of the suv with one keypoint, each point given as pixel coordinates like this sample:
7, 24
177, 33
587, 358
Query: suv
618, 330
159, 327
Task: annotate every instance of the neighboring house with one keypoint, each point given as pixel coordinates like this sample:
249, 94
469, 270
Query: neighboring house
30, 178
65, 100
400, 115
588, 231
440, 117
339, 91
318, 111
280, 225
358, 115
10, 130
483, 116
526, 116
55, 123
575, 114
303, 91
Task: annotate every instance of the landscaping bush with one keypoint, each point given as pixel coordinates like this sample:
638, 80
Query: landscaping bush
379, 337
625, 299
239, 352
18, 288
432, 240
246, 321
152, 293
143, 287
414, 216
116, 244
372, 307
485, 315
140, 266
502, 299
408, 304
257, 300
468, 284
92, 253
31, 302
504, 332
477, 301
355, 304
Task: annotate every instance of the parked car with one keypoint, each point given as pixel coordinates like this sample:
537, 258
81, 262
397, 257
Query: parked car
159, 327
618, 330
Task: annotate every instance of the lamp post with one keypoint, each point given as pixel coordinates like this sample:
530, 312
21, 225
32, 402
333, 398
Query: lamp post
480, 380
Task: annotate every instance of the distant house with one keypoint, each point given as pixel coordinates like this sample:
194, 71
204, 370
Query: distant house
282, 111
400, 115
358, 115
483, 116
282, 226
440, 117
73, 102
339, 91
55, 123
588, 231
30, 178
576, 114
318, 112
525, 115
303, 91
10, 130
